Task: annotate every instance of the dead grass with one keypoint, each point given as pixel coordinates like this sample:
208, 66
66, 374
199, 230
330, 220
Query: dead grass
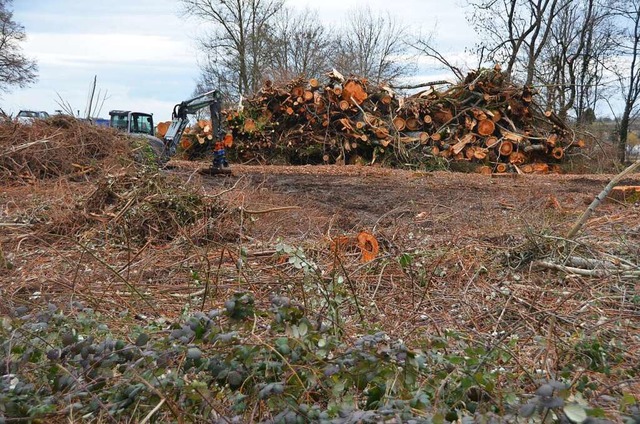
157, 246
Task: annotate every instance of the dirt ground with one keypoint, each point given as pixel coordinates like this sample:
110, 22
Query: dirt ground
470, 245
440, 206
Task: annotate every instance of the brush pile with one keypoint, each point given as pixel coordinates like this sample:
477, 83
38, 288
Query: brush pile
58, 146
89, 182
485, 120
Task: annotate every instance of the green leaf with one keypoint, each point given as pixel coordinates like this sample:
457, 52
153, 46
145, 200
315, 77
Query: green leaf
303, 329
142, 340
575, 413
405, 260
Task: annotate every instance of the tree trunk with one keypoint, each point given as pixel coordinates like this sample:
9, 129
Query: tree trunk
623, 133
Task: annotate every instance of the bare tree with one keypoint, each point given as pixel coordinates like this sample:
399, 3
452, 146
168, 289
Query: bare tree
374, 46
572, 65
628, 14
236, 48
300, 45
515, 32
15, 68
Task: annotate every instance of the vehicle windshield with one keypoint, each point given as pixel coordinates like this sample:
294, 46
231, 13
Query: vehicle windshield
27, 114
141, 123
120, 122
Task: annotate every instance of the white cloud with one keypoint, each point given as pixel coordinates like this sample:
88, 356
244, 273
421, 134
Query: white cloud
144, 53
86, 49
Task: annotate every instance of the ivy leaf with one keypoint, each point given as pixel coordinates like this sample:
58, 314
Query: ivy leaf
575, 413
302, 329
528, 410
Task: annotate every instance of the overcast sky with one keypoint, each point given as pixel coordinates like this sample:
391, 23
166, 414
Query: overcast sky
144, 55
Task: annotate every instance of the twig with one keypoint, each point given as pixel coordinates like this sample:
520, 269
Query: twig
259, 212
26, 146
153, 411
120, 277
225, 191
424, 84
600, 198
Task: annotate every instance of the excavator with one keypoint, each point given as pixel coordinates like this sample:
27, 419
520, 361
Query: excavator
141, 124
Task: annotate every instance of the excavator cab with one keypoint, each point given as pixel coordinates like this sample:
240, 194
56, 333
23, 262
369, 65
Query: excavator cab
132, 122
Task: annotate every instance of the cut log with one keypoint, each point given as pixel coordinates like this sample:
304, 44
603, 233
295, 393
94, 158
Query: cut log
427, 119
555, 119
185, 143
307, 96
353, 90
506, 147
511, 136
314, 84
627, 194
479, 153
460, 145
344, 105
479, 114
412, 124
386, 99
540, 168
469, 123
495, 115
161, 129
469, 152
297, 91
502, 168
424, 138
399, 123
443, 116
484, 170
381, 133
552, 140
527, 168
491, 141
557, 153
368, 245
517, 158
535, 148
486, 127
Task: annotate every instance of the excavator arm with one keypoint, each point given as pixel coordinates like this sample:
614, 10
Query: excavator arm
180, 118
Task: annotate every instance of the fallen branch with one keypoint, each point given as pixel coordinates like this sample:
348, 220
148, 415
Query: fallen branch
600, 198
425, 84
25, 146
258, 212
599, 273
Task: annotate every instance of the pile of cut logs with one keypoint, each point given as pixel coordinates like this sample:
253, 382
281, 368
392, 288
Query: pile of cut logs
195, 141
484, 119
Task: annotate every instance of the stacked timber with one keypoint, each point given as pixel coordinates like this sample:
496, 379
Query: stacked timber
196, 140
484, 119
